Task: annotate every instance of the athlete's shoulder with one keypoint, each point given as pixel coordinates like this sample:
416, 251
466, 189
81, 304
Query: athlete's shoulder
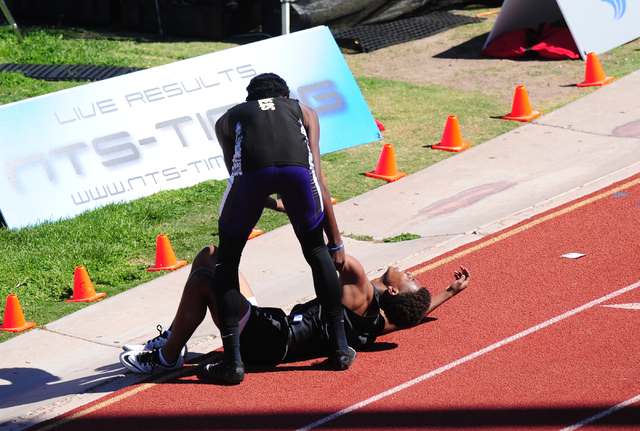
242, 105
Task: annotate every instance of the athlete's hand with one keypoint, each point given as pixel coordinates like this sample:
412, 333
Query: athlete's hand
275, 204
280, 206
462, 281
339, 257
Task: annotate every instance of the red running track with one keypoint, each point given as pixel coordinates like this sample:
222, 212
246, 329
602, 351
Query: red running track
537, 342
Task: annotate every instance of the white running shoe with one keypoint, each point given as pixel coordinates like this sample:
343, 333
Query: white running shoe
147, 362
154, 343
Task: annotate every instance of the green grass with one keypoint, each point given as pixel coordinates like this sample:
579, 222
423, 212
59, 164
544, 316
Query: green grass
402, 237
116, 243
71, 46
15, 87
358, 237
398, 238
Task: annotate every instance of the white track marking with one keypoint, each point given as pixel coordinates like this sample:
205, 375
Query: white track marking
469, 357
603, 414
632, 306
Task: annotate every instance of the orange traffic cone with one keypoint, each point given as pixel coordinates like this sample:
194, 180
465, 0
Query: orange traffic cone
255, 232
333, 200
13, 317
83, 290
386, 168
165, 257
521, 109
451, 138
594, 74
380, 126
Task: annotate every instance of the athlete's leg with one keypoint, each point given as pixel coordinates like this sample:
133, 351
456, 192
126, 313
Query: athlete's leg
241, 210
326, 284
207, 258
226, 288
196, 298
303, 200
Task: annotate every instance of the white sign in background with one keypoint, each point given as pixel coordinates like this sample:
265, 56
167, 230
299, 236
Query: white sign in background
131, 136
596, 25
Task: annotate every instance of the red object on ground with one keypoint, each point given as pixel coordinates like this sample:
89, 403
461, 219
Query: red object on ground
83, 290
549, 42
594, 74
537, 341
452, 138
521, 108
165, 257
14, 320
255, 232
513, 44
556, 44
386, 168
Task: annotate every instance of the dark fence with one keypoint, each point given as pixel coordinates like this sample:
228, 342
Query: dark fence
221, 19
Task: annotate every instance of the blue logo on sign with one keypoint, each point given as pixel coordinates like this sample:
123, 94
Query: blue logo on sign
619, 7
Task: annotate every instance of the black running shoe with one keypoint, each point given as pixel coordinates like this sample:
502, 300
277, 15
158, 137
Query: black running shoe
341, 360
232, 373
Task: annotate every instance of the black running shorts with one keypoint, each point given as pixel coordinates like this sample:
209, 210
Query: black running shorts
265, 338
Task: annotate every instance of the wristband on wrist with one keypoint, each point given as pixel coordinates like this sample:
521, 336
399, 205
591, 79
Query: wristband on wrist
336, 248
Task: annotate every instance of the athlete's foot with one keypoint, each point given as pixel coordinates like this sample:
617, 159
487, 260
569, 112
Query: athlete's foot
341, 359
147, 362
232, 373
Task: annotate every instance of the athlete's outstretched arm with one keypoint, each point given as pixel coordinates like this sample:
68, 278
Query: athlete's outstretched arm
462, 281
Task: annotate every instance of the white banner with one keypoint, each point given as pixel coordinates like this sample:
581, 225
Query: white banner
134, 135
596, 25
600, 25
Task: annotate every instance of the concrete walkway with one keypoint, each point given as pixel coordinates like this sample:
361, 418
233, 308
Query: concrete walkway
559, 157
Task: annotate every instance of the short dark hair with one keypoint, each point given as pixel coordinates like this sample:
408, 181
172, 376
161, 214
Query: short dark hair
267, 85
407, 309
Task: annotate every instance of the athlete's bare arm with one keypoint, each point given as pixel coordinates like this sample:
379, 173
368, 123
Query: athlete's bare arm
224, 138
357, 291
334, 239
462, 281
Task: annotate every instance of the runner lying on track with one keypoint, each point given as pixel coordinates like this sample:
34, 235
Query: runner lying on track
371, 308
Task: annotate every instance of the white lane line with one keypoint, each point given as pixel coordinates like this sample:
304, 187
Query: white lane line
603, 414
632, 306
469, 357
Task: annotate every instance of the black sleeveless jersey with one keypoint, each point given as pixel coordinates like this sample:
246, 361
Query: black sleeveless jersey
310, 330
268, 132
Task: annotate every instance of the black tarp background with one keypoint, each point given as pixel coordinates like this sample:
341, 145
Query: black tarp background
220, 19
343, 14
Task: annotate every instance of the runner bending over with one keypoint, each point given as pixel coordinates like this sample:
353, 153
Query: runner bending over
270, 145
